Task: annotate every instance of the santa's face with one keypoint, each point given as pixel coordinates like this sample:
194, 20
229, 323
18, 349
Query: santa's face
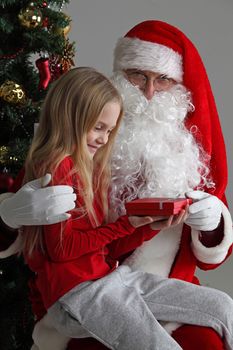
154, 154
149, 82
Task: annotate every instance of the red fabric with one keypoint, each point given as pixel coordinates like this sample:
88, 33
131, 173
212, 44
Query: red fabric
196, 337
125, 245
185, 263
195, 78
83, 254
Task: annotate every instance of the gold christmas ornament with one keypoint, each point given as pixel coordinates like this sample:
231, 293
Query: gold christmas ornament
3, 153
30, 17
62, 31
67, 58
12, 92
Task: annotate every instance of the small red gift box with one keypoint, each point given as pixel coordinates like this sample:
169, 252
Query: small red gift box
156, 206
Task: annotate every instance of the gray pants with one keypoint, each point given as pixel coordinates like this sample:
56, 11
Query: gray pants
122, 310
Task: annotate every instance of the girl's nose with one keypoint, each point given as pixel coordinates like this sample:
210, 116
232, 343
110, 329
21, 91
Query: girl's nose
103, 139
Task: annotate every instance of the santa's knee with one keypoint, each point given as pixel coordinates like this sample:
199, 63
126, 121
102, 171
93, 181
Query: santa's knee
222, 308
191, 337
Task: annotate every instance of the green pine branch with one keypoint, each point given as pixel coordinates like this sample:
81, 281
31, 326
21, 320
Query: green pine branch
21, 46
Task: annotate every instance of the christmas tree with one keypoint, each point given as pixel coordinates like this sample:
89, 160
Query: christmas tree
26, 29
34, 52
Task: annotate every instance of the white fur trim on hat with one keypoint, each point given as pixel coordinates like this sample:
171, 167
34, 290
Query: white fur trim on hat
139, 54
170, 326
214, 255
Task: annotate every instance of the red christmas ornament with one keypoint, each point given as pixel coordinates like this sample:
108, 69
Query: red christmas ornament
43, 4
45, 22
44, 72
6, 181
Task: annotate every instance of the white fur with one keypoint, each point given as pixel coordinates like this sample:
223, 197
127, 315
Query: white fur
170, 326
145, 55
157, 255
46, 337
154, 154
34, 347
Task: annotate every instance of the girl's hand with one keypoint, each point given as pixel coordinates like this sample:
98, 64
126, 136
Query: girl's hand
138, 221
173, 220
159, 222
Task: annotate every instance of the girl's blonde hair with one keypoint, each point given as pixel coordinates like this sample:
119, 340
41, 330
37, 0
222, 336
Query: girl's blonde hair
70, 110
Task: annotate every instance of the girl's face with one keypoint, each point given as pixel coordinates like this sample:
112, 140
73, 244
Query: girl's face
99, 134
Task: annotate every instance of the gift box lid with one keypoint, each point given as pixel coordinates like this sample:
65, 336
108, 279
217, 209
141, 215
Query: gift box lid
156, 206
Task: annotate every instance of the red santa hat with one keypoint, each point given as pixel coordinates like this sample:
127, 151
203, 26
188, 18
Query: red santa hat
159, 47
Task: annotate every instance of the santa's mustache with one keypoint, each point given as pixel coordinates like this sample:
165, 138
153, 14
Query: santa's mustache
177, 99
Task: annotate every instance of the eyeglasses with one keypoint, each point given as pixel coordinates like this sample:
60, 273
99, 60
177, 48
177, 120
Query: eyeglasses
140, 79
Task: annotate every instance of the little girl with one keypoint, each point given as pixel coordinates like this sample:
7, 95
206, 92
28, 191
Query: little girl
84, 291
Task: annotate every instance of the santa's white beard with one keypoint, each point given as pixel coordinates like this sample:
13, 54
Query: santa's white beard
154, 154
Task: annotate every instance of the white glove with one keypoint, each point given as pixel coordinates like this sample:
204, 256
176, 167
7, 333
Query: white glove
34, 205
205, 212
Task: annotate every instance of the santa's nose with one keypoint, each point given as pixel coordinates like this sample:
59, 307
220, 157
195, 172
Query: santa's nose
149, 89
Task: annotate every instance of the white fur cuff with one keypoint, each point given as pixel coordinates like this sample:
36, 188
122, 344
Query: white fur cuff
46, 337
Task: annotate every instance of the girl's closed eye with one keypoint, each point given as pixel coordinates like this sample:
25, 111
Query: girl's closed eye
98, 127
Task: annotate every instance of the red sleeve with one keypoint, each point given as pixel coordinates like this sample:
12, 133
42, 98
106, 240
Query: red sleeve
78, 237
127, 244
77, 242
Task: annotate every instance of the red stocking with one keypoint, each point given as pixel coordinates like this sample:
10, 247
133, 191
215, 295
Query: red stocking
44, 72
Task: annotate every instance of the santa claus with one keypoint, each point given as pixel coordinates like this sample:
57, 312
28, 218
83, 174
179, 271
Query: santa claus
170, 145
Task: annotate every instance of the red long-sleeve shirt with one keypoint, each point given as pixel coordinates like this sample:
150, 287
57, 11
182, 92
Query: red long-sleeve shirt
84, 253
